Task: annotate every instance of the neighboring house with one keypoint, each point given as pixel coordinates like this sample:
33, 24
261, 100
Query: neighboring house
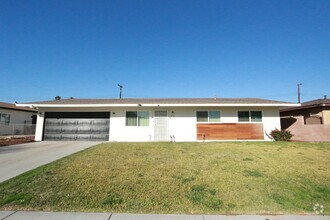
308, 122
16, 120
194, 119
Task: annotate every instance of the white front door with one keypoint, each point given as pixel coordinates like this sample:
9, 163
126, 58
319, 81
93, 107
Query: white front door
161, 126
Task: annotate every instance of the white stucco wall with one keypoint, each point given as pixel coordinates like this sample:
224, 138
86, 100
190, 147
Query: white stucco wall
182, 121
120, 132
40, 126
271, 121
183, 124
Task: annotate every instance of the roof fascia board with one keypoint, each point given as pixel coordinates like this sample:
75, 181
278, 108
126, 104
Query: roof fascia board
303, 107
154, 105
16, 109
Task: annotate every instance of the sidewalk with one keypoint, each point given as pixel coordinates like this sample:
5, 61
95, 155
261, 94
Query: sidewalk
23, 215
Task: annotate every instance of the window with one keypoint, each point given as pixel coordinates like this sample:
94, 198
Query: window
244, 116
202, 116
143, 118
137, 118
256, 116
214, 116
4, 119
131, 118
208, 116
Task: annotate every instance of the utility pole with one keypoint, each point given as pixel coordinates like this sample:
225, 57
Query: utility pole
121, 88
299, 92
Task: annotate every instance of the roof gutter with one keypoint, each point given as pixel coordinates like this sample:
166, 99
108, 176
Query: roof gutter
153, 105
16, 109
304, 107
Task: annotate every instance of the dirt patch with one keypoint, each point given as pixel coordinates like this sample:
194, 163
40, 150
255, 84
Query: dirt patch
5, 141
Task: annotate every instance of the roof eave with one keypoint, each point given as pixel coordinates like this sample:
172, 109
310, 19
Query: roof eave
159, 105
304, 107
18, 109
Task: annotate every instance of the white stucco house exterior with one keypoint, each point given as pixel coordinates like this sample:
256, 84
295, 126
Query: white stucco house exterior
16, 120
174, 119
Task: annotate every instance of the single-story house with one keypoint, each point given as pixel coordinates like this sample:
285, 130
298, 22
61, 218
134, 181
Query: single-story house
308, 122
16, 120
174, 119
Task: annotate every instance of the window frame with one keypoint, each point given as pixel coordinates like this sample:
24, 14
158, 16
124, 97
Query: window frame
137, 118
208, 116
250, 118
260, 118
3, 122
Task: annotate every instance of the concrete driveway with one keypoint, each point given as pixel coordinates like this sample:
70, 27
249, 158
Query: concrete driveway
17, 159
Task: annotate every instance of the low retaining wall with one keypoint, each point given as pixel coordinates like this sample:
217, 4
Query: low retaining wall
313, 132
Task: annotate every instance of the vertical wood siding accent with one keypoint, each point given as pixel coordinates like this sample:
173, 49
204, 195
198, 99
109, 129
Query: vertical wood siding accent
230, 131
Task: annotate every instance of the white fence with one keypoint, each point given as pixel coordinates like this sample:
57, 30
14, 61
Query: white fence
17, 129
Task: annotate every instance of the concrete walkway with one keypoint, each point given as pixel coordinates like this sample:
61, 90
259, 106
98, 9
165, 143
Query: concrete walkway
23, 215
17, 159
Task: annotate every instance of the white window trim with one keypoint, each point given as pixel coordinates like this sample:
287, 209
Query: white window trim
208, 118
137, 124
250, 121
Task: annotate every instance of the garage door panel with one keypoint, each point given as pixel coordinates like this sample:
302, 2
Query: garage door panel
101, 122
50, 130
68, 137
52, 137
100, 137
84, 130
67, 129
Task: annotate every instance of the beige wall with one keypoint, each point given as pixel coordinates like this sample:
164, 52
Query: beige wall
19, 117
326, 116
312, 132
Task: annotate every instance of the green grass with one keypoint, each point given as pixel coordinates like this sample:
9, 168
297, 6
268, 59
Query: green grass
215, 178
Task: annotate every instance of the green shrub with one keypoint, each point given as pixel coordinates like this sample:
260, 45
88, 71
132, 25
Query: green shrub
281, 135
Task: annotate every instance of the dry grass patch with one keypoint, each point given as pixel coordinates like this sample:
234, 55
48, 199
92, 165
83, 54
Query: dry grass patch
244, 177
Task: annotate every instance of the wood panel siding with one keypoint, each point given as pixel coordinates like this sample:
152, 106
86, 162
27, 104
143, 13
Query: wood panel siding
230, 131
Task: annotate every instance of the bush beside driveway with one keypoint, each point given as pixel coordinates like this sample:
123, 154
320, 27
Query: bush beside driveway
189, 178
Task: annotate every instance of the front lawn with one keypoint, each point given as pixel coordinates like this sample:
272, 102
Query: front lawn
214, 178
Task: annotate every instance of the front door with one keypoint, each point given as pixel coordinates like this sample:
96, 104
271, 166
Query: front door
161, 126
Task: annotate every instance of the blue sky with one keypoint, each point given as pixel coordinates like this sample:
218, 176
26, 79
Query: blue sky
164, 48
